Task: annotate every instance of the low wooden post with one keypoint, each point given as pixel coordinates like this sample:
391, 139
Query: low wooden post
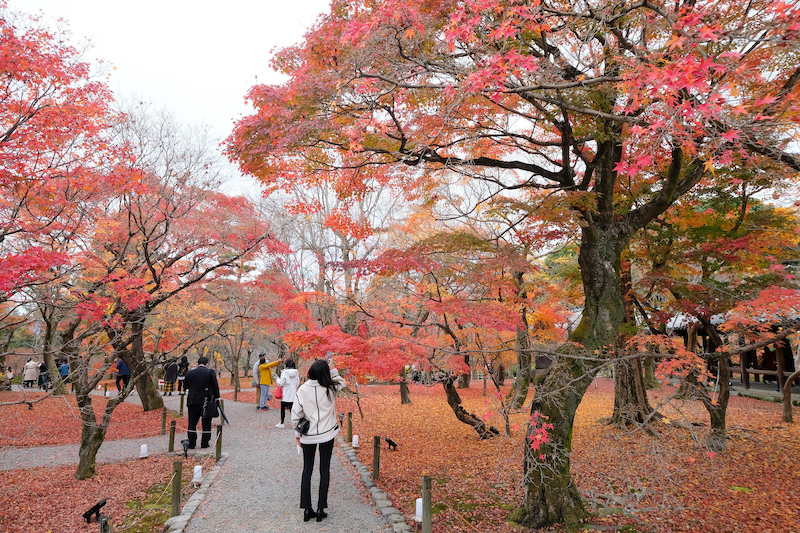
163, 420
376, 457
171, 436
349, 427
218, 450
177, 469
105, 389
427, 515
182, 397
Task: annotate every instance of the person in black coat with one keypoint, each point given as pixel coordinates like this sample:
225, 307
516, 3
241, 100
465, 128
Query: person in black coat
183, 368
170, 376
199, 382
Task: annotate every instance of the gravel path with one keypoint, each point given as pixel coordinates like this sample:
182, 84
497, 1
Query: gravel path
256, 488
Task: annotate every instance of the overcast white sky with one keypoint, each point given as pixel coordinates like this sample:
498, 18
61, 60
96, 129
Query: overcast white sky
195, 57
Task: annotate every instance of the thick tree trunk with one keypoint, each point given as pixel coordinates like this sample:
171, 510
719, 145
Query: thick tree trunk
630, 396
454, 400
404, 396
148, 393
550, 493
92, 436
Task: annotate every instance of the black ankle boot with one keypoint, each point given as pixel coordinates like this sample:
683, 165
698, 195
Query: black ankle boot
321, 514
308, 514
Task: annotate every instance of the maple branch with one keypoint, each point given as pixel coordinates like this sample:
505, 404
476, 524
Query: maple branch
674, 187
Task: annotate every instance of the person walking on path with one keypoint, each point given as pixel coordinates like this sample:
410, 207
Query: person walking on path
288, 381
183, 368
30, 373
44, 376
170, 376
201, 382
265, 380
316, 402
123, 375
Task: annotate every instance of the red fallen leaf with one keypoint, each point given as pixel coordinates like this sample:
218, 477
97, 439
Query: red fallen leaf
669, 481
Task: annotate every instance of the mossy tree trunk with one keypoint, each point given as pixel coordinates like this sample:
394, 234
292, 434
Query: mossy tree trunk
550, 495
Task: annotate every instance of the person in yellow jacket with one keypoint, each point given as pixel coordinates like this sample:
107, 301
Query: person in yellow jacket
265, 380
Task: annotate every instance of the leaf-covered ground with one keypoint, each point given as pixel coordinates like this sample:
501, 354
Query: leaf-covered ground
665, 481
56, 420
51, 499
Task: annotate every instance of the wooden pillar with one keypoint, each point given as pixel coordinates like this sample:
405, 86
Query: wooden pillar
743, 359
171, 436
177, 469
376, 457
427, 514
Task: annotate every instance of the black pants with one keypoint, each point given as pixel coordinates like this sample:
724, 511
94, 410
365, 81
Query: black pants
309, 452
285, 406
126, 378
194, 412
180, 385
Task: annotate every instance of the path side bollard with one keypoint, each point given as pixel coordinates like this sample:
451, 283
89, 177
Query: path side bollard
171, 436
427, 516
182, 397
349, 427
376, 457
177, 469
218, 451
164, 420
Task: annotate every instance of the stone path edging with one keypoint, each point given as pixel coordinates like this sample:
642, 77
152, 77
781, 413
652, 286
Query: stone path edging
177, 524
391, 514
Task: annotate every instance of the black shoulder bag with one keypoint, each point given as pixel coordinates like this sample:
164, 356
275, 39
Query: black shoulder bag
210, 409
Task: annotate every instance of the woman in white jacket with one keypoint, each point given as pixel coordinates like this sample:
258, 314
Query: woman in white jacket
316, 402
288, 382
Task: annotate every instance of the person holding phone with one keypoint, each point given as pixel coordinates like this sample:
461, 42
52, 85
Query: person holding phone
316, 402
